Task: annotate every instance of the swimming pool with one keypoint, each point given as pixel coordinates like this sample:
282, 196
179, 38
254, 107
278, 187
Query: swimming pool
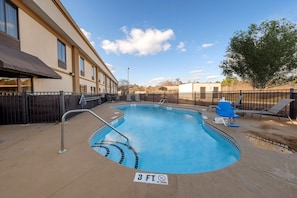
165, 140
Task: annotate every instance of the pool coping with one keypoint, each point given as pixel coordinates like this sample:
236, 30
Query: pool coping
31, 166
214, 133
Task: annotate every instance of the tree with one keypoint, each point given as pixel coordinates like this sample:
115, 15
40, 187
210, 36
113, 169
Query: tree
265, 55
123, 86
166, 83
178, 81
229, 81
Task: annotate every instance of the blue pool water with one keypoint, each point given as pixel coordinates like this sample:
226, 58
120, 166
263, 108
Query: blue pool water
165, 140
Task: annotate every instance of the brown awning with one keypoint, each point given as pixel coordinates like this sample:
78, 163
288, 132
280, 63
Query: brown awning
15, 63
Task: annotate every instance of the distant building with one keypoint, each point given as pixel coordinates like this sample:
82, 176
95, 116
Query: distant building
200, 90
43, 49
169, 89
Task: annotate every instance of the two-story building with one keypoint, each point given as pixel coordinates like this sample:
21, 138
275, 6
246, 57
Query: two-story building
43, 49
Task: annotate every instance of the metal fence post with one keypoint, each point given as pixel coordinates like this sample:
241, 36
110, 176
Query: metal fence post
61, 104
240, 93
195, 98
25, 107
212, 97
292, 113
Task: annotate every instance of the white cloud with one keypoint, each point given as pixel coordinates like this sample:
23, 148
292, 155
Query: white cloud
109, 46
197, 72
88, 35
206, 45
181, 47
212, 77
111, 68
205, 56
140, 42
191, 79
155, 81
209, 62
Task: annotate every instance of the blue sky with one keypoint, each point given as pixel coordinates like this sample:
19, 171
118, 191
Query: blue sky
162, 40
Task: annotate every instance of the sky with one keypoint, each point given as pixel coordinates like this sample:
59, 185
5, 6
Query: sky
152, 41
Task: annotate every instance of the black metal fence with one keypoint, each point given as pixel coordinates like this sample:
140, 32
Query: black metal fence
252, 99
41, 107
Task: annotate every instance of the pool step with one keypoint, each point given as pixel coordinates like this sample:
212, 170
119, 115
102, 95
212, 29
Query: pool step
119, 152
104, 147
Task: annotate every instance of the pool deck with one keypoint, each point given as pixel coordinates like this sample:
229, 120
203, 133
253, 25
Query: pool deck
31, 166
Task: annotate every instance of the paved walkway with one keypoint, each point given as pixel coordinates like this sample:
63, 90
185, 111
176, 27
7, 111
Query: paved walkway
30, 165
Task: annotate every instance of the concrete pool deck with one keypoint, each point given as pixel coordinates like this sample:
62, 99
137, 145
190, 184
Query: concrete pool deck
31, 166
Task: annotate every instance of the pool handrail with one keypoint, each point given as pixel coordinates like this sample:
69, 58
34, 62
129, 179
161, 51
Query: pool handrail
63, 149
162, 101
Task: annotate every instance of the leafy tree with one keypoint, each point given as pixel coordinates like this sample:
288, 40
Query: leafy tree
175, 82
229, 81
265, 55
166, 83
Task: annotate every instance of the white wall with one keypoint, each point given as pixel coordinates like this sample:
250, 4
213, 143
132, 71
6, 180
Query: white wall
185, 88
53, 85
209, 87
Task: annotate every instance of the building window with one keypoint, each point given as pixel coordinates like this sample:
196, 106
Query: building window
15, 84
83, 88
61, 54
93, 89
202, 92
82, 66
9, 18
93, 72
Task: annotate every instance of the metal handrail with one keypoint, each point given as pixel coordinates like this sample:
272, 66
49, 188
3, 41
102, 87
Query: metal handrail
63, 149
162, 101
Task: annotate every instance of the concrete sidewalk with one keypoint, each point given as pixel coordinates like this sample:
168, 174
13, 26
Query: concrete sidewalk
31, 166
